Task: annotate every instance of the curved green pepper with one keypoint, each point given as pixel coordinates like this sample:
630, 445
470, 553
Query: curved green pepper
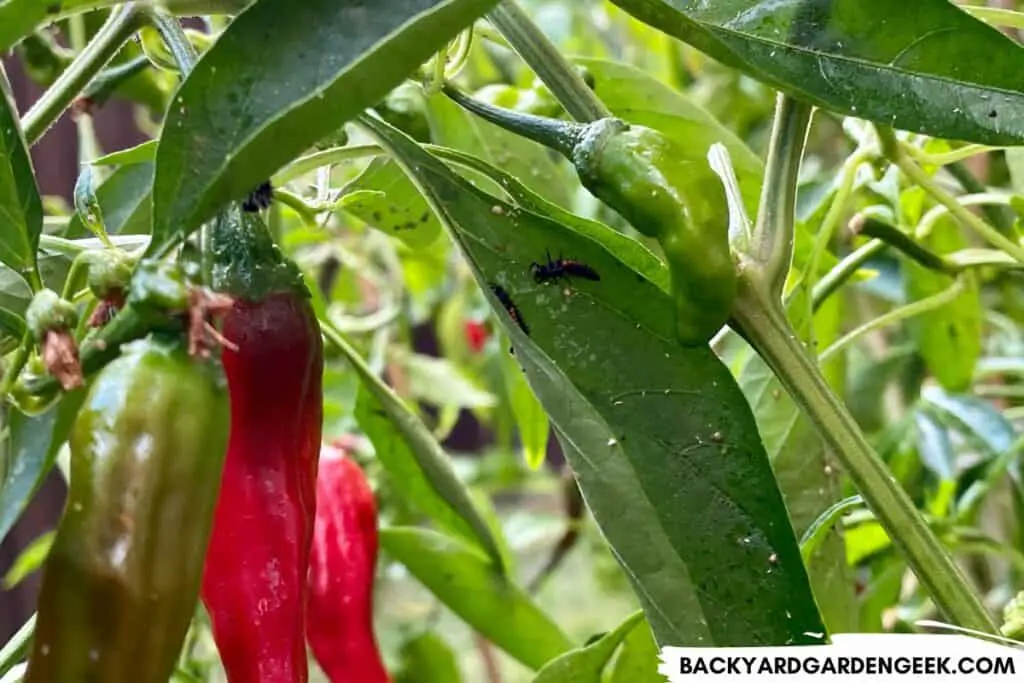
121, 581
662, 190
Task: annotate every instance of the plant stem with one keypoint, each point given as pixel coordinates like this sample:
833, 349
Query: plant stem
772, 246
326, 157
297, 204
924, 227
1000, 216
948, 158
12, 371
763, 323
77, 266
996, 16
911, 310
458, 55
896, 238
119, 27
547, 62
896, 154
835, 211
435, 466
177, 42
88, 143
72, 248
816, 533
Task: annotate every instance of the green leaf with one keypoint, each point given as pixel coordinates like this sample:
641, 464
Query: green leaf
922, 66
441, 383
87, 207
639, 98
427, 659
935, 447
632, 253
124, 200
948, 337
974, 418
16, 648
531, 419
12, 326
586, 664
33, 445
139, 154
452, 126
417, 467
888, 576
638, 660
819, 529
384, 198
662, 442
30, 559
21, 209
465, 581
282, 76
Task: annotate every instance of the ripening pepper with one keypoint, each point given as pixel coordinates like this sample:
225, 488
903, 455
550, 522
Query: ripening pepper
341, 573
662, 190
254, 586
122, 578
476, 335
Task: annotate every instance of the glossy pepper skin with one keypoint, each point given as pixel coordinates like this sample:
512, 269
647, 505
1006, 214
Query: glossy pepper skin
254, 585
121, 581
341, 573
662, 190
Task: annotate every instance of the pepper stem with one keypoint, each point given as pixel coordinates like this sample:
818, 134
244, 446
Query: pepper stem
547, 61
561, 136
244, 260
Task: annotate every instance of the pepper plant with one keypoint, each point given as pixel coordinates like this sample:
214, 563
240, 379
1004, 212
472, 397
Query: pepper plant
752, 269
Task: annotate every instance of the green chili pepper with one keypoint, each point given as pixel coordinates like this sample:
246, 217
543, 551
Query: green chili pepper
664, 192
122, 578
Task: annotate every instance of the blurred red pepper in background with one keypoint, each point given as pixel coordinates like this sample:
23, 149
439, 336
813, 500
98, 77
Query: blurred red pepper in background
342, 567
476, 335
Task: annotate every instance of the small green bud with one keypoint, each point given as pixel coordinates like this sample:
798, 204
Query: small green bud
1013, 618
49, 312
158, 287
110, 271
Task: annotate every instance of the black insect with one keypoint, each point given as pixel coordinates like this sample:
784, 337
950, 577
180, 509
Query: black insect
259, 199
510, 307
561, 269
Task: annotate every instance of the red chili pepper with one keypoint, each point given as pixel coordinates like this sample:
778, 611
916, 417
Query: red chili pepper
476, 335
254, 585
341, 573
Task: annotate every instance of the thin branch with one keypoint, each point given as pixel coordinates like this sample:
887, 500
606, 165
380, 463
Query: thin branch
119, 27
547, 61
772, 246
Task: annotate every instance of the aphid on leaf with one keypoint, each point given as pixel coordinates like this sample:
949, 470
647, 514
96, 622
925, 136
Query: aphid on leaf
561, 269
510, 308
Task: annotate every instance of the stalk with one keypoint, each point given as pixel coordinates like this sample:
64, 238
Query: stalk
763, 323
120, 26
